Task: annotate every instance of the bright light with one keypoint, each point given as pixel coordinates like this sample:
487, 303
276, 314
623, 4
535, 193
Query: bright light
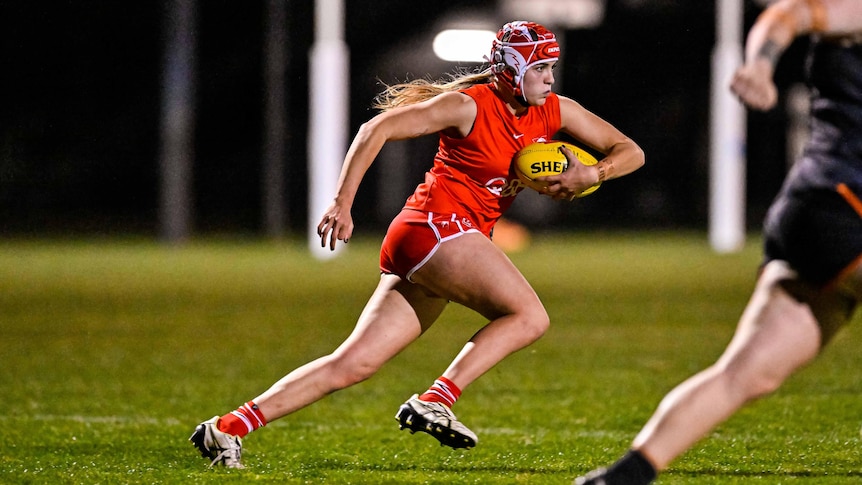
463, 45
572, 14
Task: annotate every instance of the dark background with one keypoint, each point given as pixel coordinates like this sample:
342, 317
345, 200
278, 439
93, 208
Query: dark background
80, 105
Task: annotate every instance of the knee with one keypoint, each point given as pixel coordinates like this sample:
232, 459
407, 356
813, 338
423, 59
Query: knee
535, 324
752, 384
348, 371
763, 384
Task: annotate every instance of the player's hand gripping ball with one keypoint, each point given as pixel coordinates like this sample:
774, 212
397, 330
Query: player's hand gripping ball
545, 158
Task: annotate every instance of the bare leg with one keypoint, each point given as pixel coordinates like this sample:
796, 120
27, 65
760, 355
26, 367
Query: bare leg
472, 271
397, 313
776, 336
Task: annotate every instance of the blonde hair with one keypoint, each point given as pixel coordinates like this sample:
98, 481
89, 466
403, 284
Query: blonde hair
418, 90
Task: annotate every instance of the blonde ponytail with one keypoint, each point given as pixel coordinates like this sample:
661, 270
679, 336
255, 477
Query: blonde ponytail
418, 90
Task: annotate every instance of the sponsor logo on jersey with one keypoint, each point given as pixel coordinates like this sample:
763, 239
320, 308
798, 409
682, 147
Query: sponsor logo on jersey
503, 187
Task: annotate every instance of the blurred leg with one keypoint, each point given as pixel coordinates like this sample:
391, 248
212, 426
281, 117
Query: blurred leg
776, 336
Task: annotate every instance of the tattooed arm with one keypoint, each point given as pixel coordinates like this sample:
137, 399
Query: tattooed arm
775, 30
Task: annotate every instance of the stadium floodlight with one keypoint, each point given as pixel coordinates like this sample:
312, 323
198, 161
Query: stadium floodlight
463, 45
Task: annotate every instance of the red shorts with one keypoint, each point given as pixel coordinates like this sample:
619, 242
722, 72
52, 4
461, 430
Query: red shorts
414, 236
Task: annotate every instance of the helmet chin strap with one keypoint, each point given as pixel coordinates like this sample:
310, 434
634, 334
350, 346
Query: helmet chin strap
519, 98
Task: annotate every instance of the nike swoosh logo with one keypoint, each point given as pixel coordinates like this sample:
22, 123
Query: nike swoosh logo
518, 135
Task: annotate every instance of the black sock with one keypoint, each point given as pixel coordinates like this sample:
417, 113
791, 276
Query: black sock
631, 469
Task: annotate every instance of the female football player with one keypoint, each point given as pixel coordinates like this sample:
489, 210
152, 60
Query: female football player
811, 279
438, 249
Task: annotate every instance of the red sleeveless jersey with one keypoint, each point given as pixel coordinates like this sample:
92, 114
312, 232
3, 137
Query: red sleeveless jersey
472, 176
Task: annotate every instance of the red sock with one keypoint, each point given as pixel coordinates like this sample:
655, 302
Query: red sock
243, 421
443, 391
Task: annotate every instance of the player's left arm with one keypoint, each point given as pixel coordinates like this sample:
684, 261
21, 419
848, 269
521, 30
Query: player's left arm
622, 155
774, 31
838, 17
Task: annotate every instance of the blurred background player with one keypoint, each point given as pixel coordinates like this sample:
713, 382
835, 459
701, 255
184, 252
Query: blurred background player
438, 248
811, 279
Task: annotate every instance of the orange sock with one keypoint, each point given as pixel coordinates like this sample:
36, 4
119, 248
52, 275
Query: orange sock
243, 421
444, 391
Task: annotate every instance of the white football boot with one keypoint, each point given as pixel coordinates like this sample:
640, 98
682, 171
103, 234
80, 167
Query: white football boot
217, 446
437, 420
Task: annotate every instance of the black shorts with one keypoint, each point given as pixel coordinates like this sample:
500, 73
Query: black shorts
818, 232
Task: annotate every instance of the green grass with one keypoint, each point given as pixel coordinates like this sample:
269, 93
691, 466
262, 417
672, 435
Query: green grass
113, 350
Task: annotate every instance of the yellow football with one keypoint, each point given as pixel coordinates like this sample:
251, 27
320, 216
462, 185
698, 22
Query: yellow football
545, 158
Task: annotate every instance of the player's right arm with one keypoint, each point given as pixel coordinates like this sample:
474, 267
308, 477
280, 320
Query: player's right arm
452, 112
774, 31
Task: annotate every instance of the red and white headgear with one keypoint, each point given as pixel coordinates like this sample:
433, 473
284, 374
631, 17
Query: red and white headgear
520, 45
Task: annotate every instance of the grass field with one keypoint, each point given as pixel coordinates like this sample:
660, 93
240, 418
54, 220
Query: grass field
112, 351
